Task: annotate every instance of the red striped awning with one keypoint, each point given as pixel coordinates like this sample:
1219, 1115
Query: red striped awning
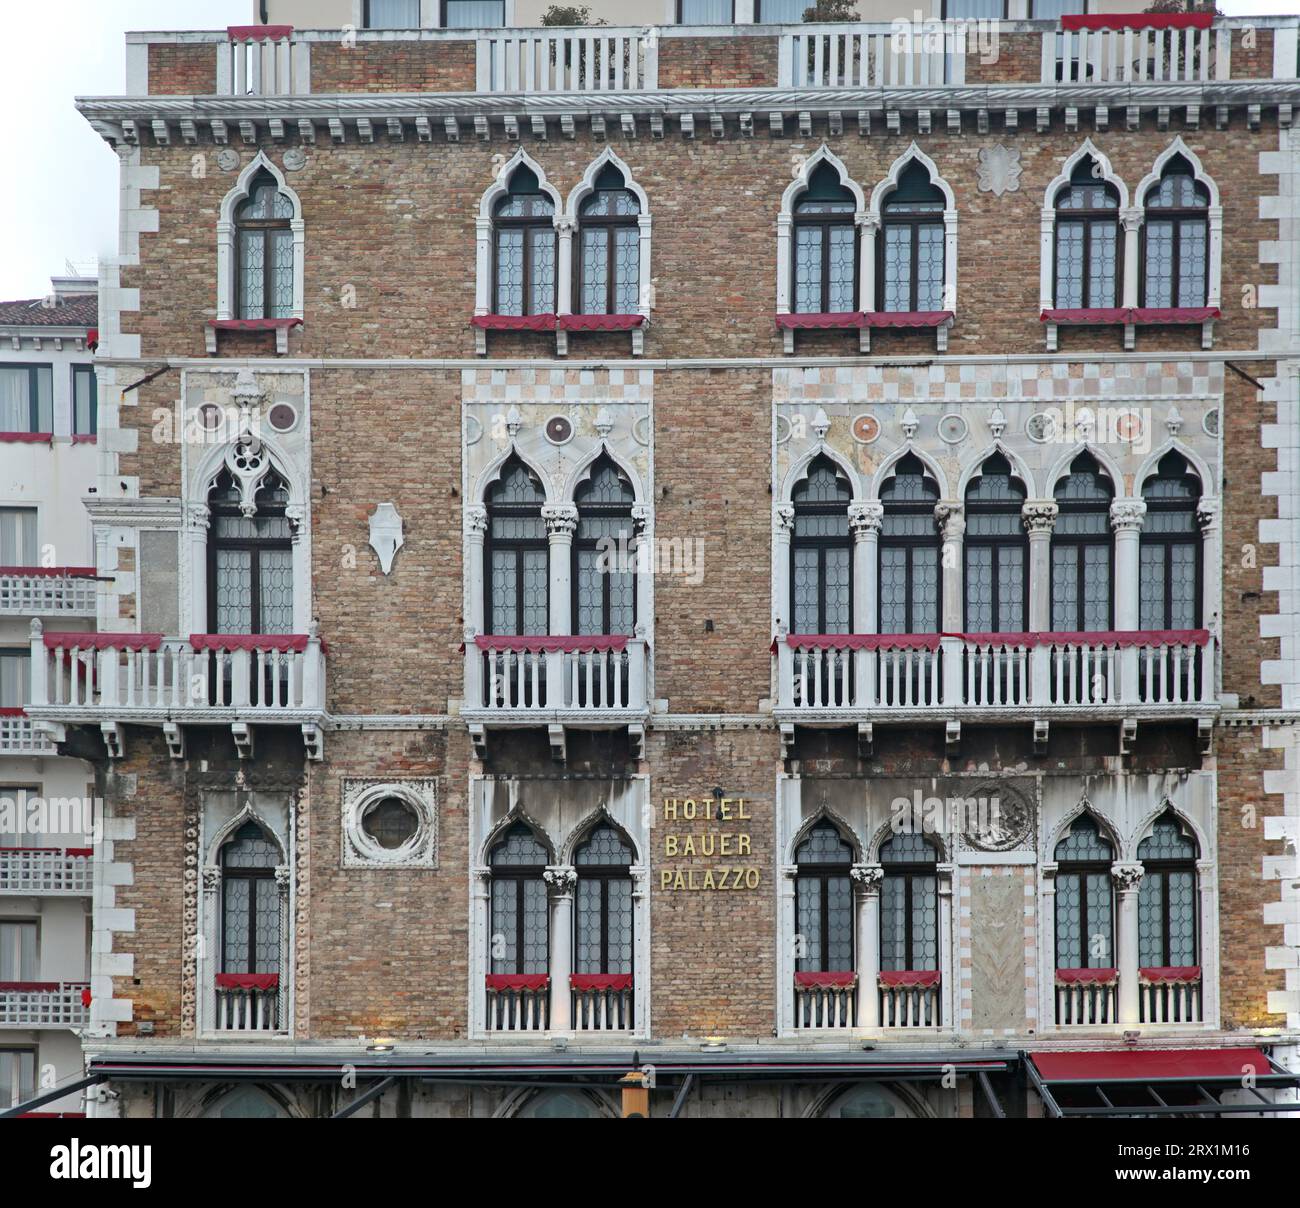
1146, 1065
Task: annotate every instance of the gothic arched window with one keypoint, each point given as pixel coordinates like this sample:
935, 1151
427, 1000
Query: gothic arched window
604, 579
825, 245
1176, 239
824, 901
516, 554
910, 551
911, 243
821, 582
524, 241
250, 559
603, 905
520, 921
264, 251
609, 248
250, 903
1084, 910
1167, 897
997, 562
909, 903
1088, 245
1170, 548
1081, 549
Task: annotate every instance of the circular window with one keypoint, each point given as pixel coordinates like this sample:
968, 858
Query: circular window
283, 417
390, 822
559, 429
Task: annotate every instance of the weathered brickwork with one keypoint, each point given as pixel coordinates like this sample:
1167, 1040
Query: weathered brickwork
181, 70
717, 62
392, 67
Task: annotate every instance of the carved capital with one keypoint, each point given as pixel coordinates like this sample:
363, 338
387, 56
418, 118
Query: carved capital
197, 516
1131, 218
1127, 877
640, 517
475, 519
1207, 515
283, 875
950, 516
783, 513
561, 519
1126, 515
211, 877
1039, 515
865, 519
867, 877
560, 878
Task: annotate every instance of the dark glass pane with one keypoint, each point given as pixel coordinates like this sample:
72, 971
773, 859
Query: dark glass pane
907, 847
1151, 920
510, 271
824, 845
839, 923
542, 249
808, 269
603, 846
1069, 265
1192, 252
898, 267
595, 269
519, 848
808, 922
1084, 843
1151, 585
1159, 289
840, 296
1069, 921
1103, 260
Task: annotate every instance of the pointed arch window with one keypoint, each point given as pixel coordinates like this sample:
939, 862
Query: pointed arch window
264, 244
824, 902
520, 919
1084, 899
997, 561
1081, 549
250, 903
517, 555
604, 585
603, 919
910, 551
909, 903
1170, 548
609, 248
524, 243
1088, 244
825, 246
1167, 914
250, 559
821, 585
1176, 239
911, 244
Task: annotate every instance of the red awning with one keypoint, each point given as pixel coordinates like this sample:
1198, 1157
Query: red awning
1144, 1065
1137, 21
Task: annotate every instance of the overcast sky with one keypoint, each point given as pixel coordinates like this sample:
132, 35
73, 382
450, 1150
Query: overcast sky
61, 200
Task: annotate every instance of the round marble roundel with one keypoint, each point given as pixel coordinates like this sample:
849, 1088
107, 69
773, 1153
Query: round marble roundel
866, 427
559, 428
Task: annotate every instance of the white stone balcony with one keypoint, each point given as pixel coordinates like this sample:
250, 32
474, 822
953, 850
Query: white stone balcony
19, 735
62, 872
65, 591
830, 1002
114, 679
1090, 998
520, 1003
594, 682
248, 1002
44, 1004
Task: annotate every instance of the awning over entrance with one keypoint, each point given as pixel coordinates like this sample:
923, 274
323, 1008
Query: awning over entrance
1160, 1082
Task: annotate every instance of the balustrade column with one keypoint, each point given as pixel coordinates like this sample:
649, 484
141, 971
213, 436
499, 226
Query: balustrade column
1126, 516
561, 879
866, 901
1128, 880
561, 523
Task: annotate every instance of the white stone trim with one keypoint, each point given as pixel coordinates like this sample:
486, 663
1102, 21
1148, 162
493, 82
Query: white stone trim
1047, 227
483, 228
359, 850
227, 287
107, 961
1214, 259
584, 188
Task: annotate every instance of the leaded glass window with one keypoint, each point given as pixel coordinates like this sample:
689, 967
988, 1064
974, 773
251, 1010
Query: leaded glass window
604, 579
264, 247
825, 246
250, 559
997, 551
609, 248
824, 902
250, 903
524, 232
1088, 244
821, 553
912, 244
1167, 911
520, 940
603, 906
1081, 549
1084, 902
909, 903
516, 554
1176, 239
910, 551
1170, 548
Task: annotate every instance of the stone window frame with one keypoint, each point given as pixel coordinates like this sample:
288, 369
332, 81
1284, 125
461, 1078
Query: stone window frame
227, 260
485, 228
358, 850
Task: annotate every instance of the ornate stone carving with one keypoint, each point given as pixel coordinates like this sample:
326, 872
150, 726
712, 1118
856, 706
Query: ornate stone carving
866, 518
950, 516
784, 516
361, 850
867, 877
1207, 514
999, 170
997, 423
211, 877
1001, 817
1127, 877
604, 422
561, 518
1127, 514
561, 878
228, 159
909, 423
475, 519
821, 424
295, 159
197, 516
386, 534
1039, 515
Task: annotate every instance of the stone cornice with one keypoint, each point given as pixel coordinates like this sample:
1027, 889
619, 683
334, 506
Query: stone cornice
135, 513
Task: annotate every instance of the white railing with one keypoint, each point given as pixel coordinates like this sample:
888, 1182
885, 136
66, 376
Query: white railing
823, 1004
264, 64
601, 1008
518, 675
242, 1008
19, 736
872, 56
997, 671
37, 593
1129, 56
42, 1004
515, 1007
572, 60
1087, 1001
909, 1005
1172, 997
45, 871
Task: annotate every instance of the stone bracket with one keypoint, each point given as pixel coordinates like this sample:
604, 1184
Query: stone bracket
175, 737
559, 749
242, 733
952, 735
1128, 729
114, 738
1041, 727
866, 736
313, 739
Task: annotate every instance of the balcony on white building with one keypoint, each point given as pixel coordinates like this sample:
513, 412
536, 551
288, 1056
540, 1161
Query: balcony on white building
62, 591
20, 736
44, 1004
46, 871
1091, 998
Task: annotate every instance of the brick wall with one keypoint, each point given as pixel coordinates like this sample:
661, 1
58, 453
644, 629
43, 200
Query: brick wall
177, 69
717, 62
443, 66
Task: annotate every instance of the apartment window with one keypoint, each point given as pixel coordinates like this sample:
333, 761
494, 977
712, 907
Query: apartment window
15, 678
912, 244
1081, 544
1170, 548
392, 14
1084, 910
974, 10
1087, 240
705, 12
609, 248
910, 551
604, 585
85, 401
17, 1076
517, 554
520, 940
18, 537
823, 902
603, 905
473, 14
997, 563
250, 560
19, 951
13, 813
264, 243
781, 12
1167, 897
1048, 10
825, 246
250, 903
26, 398
1176, 239
909, 904
821, 584
525, 247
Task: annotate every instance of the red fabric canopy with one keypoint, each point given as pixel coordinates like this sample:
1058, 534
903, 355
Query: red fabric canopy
28, 438
908, 979
13, 711
1172, 975
258, 33
514, 322
600, 981
830, 320
253, 324
104, 641
517, 981
907, 318
1173, 314
1137, 21
490, 641
92, 338
837, 980
1087, 977
600, 322
50, 572
930, 641
1137, 1065
864, 641
248, 981
294, 643
1094, 314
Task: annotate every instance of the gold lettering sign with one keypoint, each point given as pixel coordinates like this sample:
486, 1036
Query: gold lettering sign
723, 842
